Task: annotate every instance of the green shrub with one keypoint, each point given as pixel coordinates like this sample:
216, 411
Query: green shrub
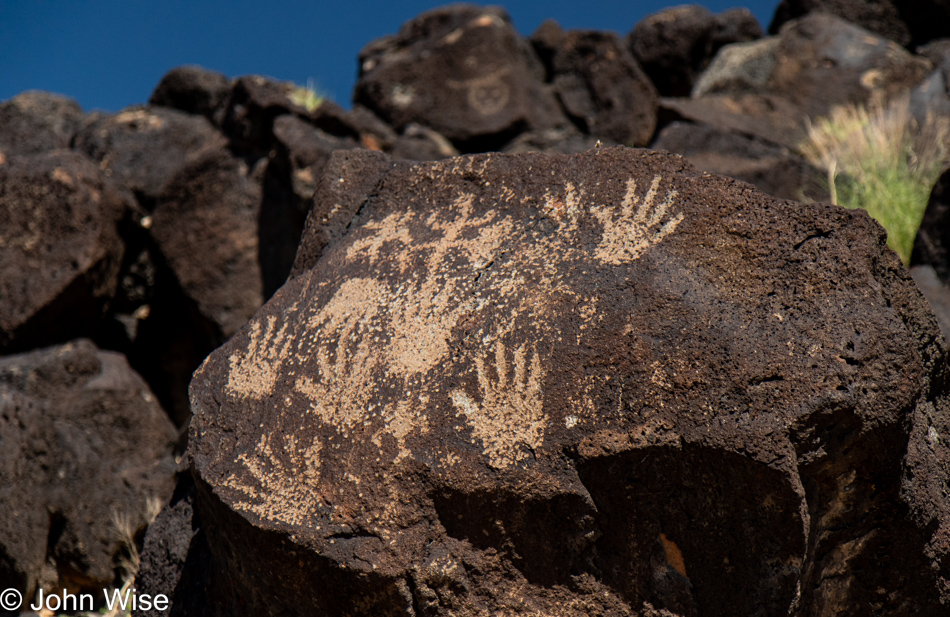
879, 159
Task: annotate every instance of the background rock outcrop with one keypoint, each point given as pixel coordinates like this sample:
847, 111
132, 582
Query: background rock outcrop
86, 450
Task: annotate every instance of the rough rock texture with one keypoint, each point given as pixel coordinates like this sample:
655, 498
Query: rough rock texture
254, 104
461, 70
597, 384
175, 558
932, 245
205, 225
770, 117
35, 122
289, 182
603, 89
144, 148
771, 168
675, 45
84, 444
908, 22
195, 90
819, 61
825, 61
59, 248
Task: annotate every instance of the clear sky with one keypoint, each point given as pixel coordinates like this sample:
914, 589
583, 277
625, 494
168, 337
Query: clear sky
108, 54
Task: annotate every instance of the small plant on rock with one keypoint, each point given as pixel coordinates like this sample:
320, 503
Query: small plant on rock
307, 97
880, 159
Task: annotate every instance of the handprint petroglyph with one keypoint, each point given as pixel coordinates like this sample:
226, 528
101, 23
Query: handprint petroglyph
639, 226
509, 419
255, 373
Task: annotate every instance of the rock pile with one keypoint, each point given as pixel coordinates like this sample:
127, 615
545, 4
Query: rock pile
553, 379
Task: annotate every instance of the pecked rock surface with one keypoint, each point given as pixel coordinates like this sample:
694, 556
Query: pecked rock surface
84, 444
461, 70
573, 385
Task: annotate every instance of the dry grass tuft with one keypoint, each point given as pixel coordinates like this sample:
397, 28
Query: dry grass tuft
878, 158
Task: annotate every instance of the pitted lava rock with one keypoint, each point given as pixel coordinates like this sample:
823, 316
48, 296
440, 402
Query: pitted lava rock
85, 447
60, 250
461, 70
602, 384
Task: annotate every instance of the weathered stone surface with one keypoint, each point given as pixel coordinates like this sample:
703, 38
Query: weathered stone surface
175, 558
461, 70
144, 148
59, 248
674, 45
566, 140
603, 89
289, 182
771, 168
85, 444
740, 67
907, 22
577, 385
932, 244
205, 225
420, 143
768, 116
824, 61
34, 122
194, 90
816, 62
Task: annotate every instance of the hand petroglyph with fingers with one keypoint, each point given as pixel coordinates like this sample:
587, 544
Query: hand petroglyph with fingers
640, 225
509, 419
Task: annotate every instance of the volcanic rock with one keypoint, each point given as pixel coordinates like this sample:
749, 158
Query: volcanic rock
571, 385
194, 90
142, 149
603, 89
34, 122
289, 183
768, 116
461, 70
825, 61
907, 22
85, 449
771, 168
60, 250
175, 559
205, 225
674, 45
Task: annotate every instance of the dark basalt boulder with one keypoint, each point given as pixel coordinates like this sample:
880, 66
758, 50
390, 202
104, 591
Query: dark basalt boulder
194, 90
86, 450
675, 45
816, 62
773, 169
205, 225
907, 22
142, 148
461, 70
289, 183
60, 249
594, 384
35, 122
603, 89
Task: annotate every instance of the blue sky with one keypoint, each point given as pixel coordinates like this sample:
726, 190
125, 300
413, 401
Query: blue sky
108, 54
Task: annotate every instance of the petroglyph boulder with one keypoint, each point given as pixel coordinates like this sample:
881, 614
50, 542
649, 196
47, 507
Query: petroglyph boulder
601, 384
462, 70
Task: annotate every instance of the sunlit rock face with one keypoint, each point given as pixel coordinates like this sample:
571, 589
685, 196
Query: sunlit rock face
603, 383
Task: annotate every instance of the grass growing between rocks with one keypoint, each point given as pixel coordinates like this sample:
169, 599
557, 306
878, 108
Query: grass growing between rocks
307, 97
880, 159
